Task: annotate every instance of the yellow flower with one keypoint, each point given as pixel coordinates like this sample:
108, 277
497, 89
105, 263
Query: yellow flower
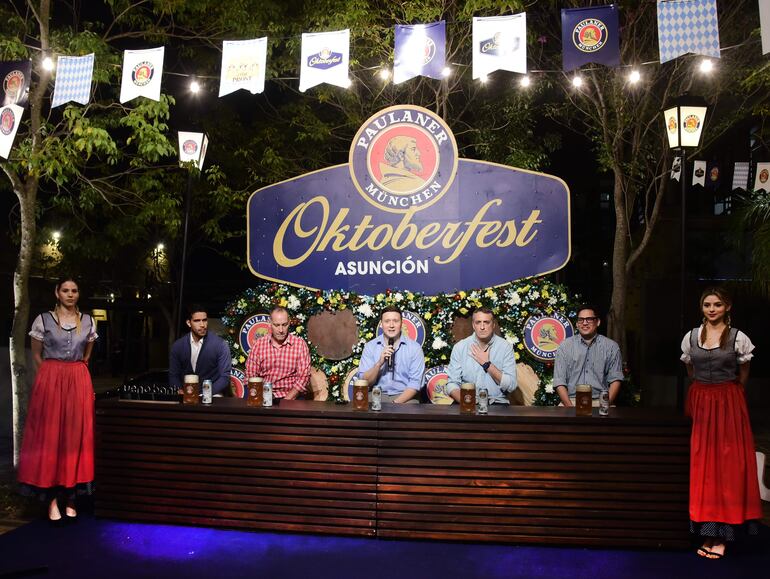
516, 356
320, 301
298, 329
544, 293
356, 362
427, 315
490, 293
477, 304
520, 346
463, 311
549, 310
241, 359
343, 306
379, 297
283, 303
410, 296
436, 327
462, 294
443, 356
369, 335
433, 300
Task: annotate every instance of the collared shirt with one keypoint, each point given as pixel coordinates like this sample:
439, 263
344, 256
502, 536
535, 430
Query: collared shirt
286, 367
463, 368
408, 368
195, 350
597, 363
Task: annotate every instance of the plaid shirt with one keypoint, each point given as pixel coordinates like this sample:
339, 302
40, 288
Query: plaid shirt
287, 366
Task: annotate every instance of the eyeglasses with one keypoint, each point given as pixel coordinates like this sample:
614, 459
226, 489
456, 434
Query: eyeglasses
586, 320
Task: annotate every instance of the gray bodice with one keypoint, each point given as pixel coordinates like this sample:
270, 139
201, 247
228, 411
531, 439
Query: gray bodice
65, 344
716, 364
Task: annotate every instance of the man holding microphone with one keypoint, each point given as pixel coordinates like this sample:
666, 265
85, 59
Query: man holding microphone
393, 361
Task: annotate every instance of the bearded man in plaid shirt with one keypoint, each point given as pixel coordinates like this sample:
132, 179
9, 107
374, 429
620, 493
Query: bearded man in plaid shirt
281, 358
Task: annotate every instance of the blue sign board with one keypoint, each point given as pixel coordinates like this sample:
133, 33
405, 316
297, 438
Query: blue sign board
407, 213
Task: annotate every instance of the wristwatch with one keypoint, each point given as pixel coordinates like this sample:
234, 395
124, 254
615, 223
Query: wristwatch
486, 366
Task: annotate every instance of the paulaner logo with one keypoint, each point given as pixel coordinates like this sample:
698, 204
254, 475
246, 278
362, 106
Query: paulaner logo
324, 59
403, 158
143, 73
589, 35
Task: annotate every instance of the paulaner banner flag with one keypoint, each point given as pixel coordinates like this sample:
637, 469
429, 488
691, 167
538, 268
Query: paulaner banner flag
142, 72
687, 26
192, 147
73, 80
699, 173
741, 175
243, 66
10, 118
325, 58
764, 23
500, 43
676, 168
15, 75
762, 179
420, 50
590, 35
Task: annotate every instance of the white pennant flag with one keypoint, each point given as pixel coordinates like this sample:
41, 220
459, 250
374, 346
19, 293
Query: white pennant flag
764, 24
10, 118
243, 66
499, 43
740, 175
142, 71
192, 147
762, 179
699, 173
676, 169
325, 58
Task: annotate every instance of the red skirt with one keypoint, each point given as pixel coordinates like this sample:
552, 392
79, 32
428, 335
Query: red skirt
58, 445
724, 486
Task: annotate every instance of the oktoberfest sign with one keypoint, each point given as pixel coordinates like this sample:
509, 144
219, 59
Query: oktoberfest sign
406, 213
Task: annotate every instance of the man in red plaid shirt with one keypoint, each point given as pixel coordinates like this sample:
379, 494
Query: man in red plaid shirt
281, 358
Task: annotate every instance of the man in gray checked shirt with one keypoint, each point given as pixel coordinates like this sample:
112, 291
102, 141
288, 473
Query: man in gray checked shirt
587, 358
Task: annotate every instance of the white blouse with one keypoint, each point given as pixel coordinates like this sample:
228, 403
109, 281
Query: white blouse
743, 347
37, 330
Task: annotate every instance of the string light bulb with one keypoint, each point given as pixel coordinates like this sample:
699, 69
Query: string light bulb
577, 82
446, 72
483, 79
56, 235
525, 81
160, 247
384, 74
634, 76
195, 87
706, 66
48, 63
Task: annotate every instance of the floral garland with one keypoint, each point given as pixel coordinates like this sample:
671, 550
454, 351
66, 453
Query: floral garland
512, 305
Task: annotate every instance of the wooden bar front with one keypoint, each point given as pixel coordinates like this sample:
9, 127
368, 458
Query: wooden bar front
517, 475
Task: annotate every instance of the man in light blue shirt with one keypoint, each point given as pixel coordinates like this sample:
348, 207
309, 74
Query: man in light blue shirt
483, 358
393, 361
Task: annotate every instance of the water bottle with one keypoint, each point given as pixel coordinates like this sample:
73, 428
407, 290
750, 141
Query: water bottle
604, 402
376, 397
206, 392
483, 396
267, 394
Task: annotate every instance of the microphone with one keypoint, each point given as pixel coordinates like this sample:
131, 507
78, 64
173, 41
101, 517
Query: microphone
389, 366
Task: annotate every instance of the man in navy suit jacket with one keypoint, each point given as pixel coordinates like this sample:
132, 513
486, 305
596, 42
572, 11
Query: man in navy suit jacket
201, 353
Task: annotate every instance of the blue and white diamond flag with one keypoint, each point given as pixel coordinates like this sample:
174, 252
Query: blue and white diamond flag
420, 50
741, 175
142, 71
10, 118
243, 66
325, 58
73, 79
687, 26
500, 43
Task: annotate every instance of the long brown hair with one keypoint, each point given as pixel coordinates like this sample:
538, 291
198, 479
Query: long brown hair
57, 317
722, 294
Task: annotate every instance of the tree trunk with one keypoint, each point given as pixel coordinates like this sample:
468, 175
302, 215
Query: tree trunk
616, 318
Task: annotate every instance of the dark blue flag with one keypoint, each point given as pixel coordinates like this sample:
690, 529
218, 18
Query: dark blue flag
420, 50
14, 82
590, 35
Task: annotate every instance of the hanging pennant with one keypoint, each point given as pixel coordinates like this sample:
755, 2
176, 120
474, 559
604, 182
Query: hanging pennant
687, 26
764, 24
676, 168
243, 66
142, 72
420, 50
741, 176
500, 43
73, 80
192, 147
15, 75
699, 173
713, 176
590, 35
325, 58
762, 179
10, 117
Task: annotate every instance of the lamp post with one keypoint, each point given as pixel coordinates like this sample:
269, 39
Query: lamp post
683, 118
192, 149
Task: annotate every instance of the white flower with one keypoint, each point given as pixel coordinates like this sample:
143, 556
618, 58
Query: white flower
438, 343
510, 338
294, 303
234, 361
549, 387
514, 300
398, 296
365, 310
535, 294
552, 301
301, 317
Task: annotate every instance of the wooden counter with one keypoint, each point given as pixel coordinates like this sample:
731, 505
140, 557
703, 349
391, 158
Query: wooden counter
518, 475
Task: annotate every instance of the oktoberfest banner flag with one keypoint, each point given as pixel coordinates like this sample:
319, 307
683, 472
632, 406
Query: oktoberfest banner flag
15, 75
741, 176
687, 26
500, 43
420, 51
762, 179
325, 58
676, 169
590, 35
142, 71
192, 147
73, 80
10, 117
243, 66
764, 24
699, 173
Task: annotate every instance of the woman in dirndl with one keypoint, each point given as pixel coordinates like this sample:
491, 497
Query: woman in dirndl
57, 453
724, 488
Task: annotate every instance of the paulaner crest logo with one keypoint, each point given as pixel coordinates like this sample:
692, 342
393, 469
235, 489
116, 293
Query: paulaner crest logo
238, 383
143, 73
324, 59
7, 121
543, 334
252, 329
412, 327
589, 35
12, 85
691, 123
402, 158
190, 147
434, 382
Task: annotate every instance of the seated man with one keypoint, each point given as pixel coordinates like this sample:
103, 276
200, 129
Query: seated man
281, 358
587, 358
393, 361
201, 353
483, 358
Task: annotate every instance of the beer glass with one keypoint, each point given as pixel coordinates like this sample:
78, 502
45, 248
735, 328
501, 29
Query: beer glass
191, 389
254, 394
583, 402
468, 398
360, 395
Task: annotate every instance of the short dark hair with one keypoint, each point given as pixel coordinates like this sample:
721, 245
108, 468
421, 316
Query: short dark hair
483, 310
192, 308
587, 306
388, 309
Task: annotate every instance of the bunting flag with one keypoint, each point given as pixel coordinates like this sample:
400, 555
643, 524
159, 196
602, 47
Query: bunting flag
243, 66
676, 168
73, 79
762, 179
192, 147
142, 72
10, 118
500, 43
764, 24
420, 51
687, 26
590, 35
15, 75
741, 176
699, 173
325, 58
713, 176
